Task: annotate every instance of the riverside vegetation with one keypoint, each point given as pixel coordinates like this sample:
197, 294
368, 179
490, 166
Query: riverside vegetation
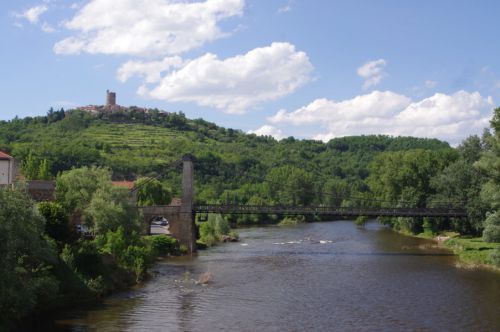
46, 265
83, 152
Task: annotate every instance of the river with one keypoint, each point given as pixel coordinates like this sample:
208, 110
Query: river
327, 276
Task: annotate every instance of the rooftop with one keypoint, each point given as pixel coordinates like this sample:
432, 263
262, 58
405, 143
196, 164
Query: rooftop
124, 184
4, 156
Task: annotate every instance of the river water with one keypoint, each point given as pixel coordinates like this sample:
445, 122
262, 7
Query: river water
327, 276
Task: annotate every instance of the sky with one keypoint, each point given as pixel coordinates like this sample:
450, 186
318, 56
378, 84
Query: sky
309, 69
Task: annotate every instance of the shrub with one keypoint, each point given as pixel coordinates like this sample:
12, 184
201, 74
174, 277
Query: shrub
292, 220
56, 225
213, 229
491, 231
360, 221
495, 256
136, 259
163, 245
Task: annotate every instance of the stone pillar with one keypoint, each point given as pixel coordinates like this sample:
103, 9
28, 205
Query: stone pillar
187, 234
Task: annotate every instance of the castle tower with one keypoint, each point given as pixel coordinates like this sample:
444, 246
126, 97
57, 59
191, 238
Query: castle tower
110, 98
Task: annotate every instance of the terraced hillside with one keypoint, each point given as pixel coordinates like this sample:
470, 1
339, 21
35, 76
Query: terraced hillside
135, 146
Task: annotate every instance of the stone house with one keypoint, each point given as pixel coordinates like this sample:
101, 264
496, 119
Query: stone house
9, 169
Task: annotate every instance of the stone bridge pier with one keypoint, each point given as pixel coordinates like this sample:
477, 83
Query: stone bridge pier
180, 218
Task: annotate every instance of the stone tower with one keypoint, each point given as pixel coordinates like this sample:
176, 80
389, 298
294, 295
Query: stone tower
110, 98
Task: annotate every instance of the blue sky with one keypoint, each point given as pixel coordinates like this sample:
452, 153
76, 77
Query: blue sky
311, 69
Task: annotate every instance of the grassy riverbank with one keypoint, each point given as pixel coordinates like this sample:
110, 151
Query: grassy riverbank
472, 252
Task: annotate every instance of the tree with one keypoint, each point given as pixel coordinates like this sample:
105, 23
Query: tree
29, 167
491, 231
403, 178
290, 185
470, 149
56, 221
460, 185
152, 192
109, 209
44, 171
490, 164
25, 278
75, 188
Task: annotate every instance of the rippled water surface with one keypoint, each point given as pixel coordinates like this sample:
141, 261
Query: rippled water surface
315, 277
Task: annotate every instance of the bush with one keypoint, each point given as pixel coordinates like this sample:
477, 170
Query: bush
56, 225
292, 220
491, 231
162, 245
88, 261
213, 230
27, 281
136, 259
361, 221
495, 256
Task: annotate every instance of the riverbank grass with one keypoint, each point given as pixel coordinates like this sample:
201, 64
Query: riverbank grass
473, 251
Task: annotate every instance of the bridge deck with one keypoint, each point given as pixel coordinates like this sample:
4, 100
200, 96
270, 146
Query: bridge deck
328, 210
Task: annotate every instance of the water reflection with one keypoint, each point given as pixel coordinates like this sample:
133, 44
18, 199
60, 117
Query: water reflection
322, 276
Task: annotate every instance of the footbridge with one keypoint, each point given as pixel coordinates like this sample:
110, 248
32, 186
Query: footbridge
181, 217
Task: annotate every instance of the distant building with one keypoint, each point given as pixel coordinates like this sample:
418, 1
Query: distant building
110, 98
9, 169
112, 107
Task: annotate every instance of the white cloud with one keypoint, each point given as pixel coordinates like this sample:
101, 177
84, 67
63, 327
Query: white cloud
32, 14
267, 130
372, 72
46, 27
232, 85
150, 71
286, 8
448, 117
146, 27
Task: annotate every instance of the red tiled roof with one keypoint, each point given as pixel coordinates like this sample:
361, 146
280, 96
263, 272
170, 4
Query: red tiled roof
5, 156
124, 184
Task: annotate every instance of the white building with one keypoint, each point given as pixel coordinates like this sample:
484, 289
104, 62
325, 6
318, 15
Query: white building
8, 169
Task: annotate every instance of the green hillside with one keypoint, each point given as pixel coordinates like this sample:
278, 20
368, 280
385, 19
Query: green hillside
134, 146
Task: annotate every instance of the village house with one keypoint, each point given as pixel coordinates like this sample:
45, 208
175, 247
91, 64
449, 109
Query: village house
9, 169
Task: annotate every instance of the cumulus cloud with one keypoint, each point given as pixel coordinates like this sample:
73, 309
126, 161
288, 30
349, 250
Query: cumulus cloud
267, 130
32, 14
372, 72
146, 27
150, 71
448, 117
232, 85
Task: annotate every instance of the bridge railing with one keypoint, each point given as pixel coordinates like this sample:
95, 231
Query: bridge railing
328, 210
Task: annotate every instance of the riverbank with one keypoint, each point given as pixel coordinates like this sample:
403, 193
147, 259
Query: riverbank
472, 252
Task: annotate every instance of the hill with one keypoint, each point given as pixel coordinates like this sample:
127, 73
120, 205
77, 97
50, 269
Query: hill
136, 143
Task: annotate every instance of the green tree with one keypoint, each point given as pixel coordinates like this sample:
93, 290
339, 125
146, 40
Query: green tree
290, 185
152, 192
75, 188
491, 231
44, 171
56, 221
490, 193
109, 209
30, 167
25, 272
